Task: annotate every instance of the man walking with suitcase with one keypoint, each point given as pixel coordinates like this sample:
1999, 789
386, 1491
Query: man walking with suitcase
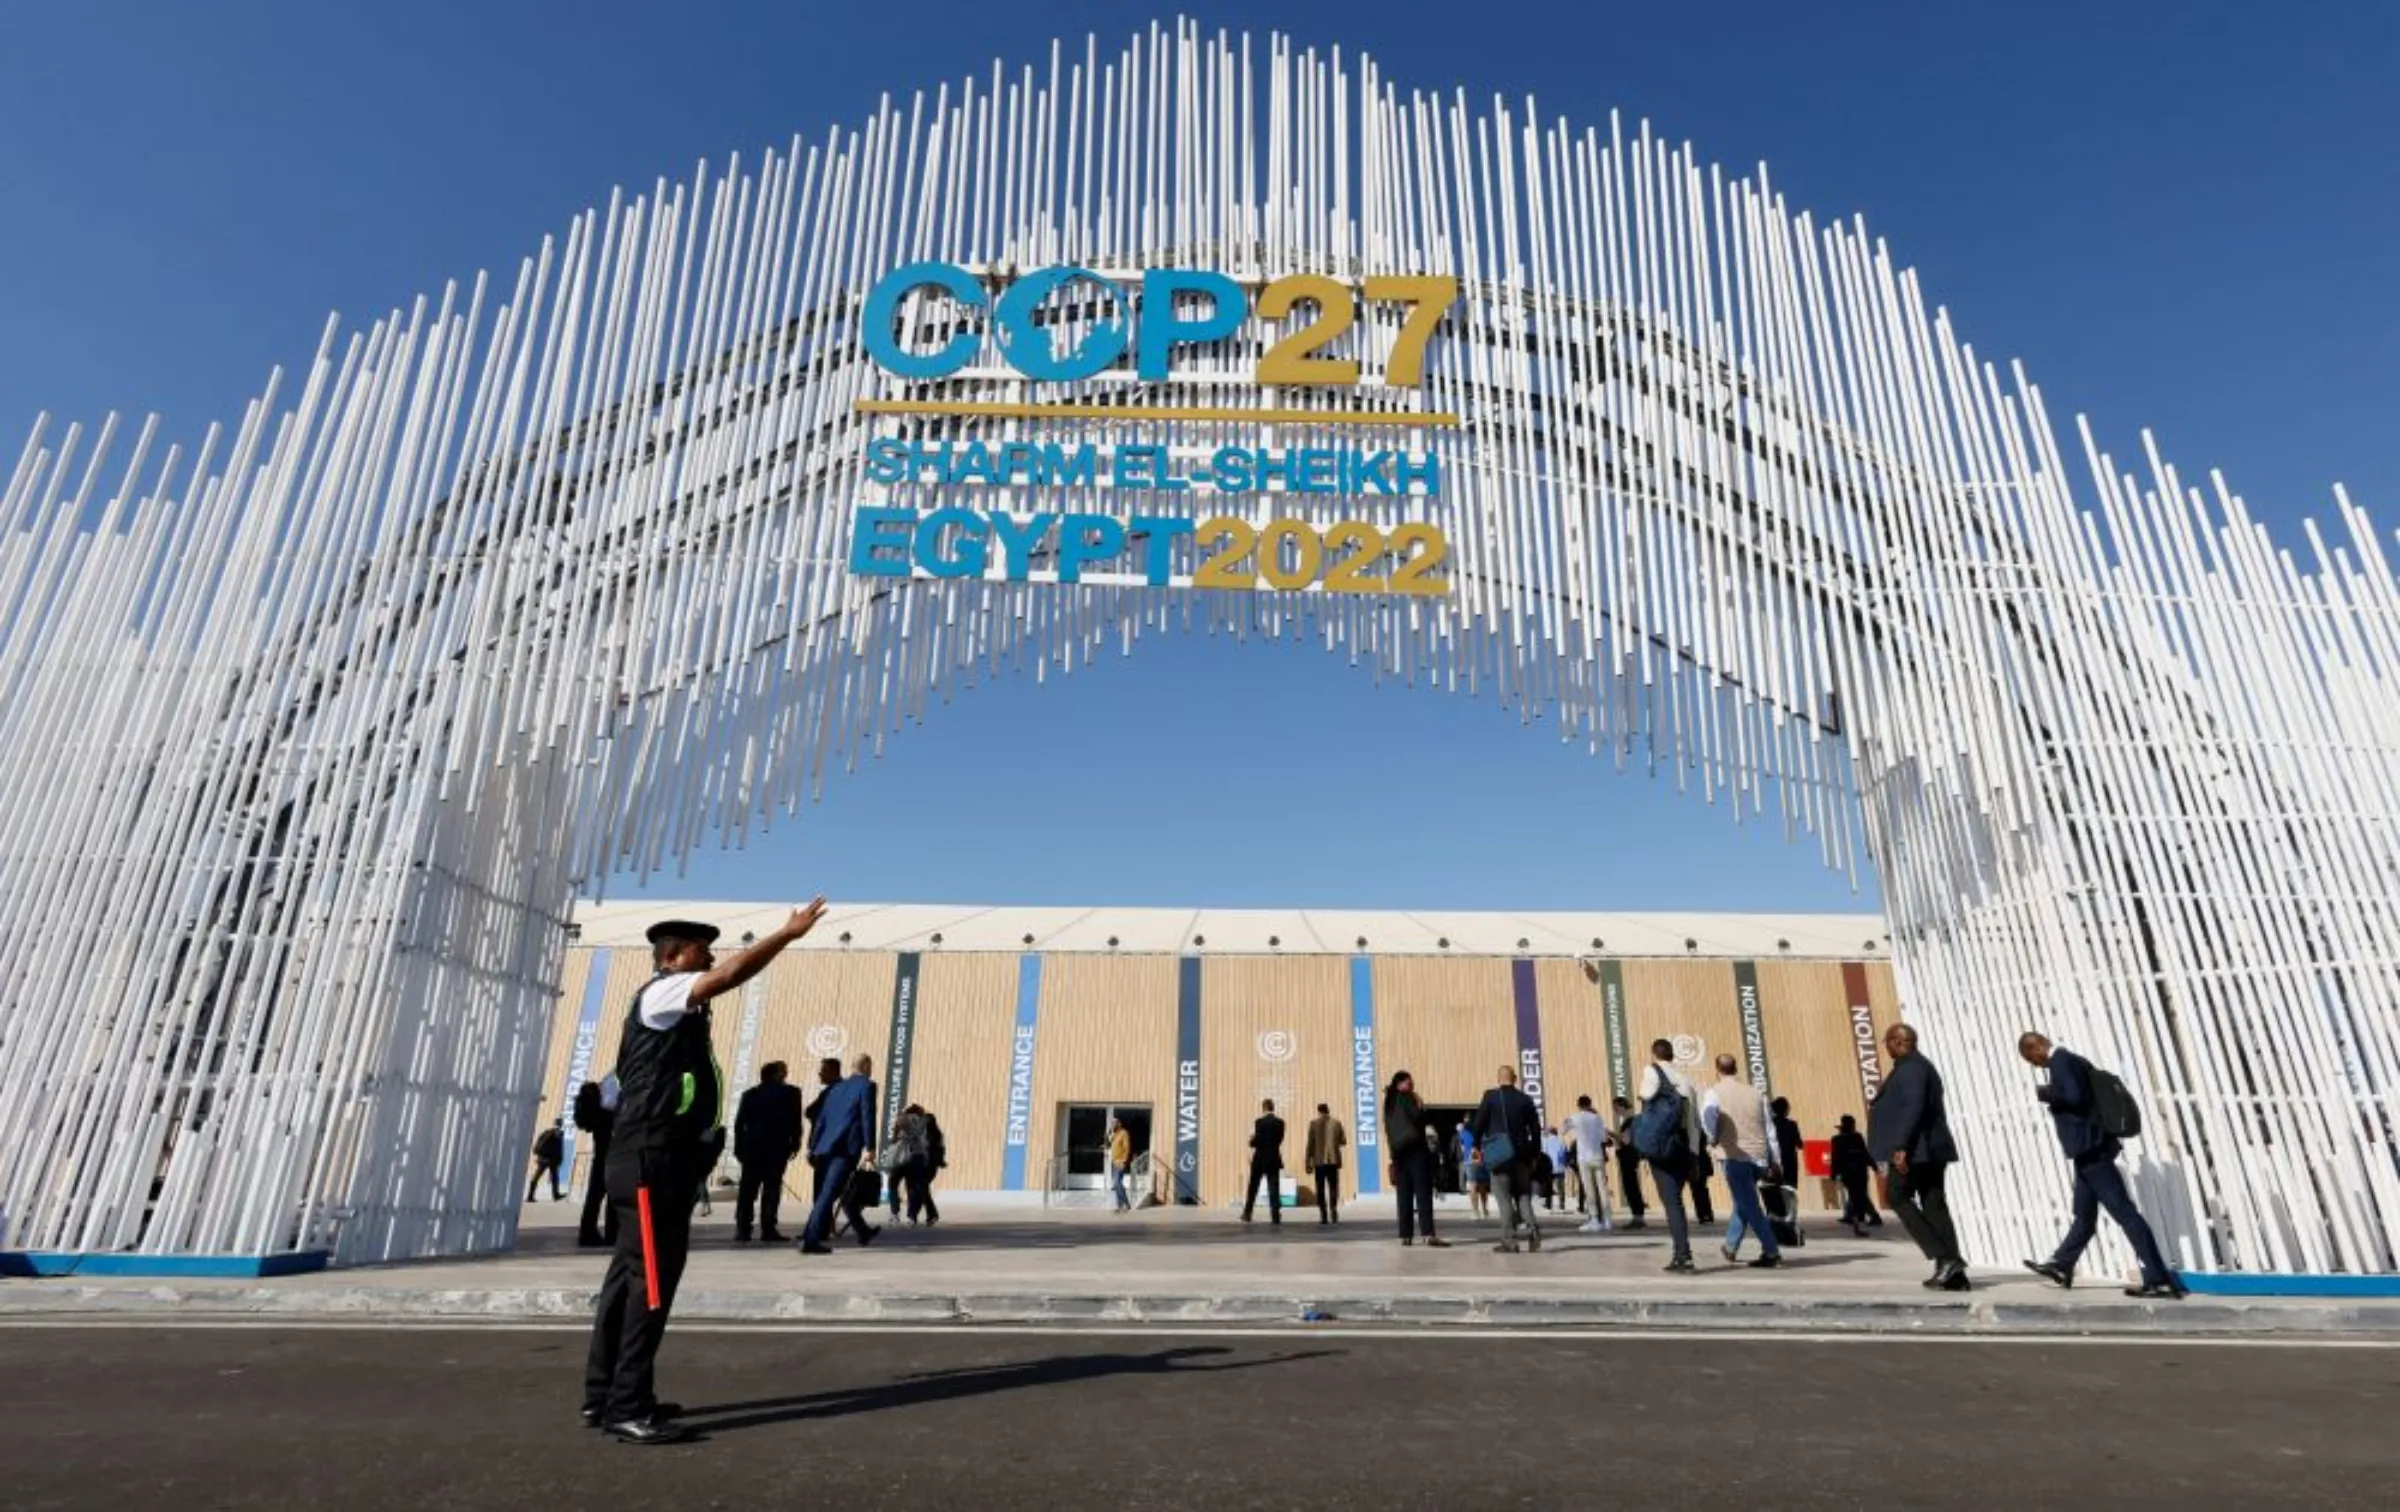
2092, 1148
841, 1147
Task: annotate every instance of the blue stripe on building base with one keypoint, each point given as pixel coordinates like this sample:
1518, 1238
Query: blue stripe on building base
2248, 1284
186, 1267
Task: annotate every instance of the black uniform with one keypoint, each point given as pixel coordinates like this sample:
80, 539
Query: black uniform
1266, 1167
658, 1154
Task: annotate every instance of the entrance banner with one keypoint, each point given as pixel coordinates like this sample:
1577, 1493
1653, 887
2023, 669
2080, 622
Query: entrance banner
1187, 1081
1529, 1038
1366, 1129
1862, 1030
904, 1038
1754, 1025
1612, 1024
579, 1058
1020, 1073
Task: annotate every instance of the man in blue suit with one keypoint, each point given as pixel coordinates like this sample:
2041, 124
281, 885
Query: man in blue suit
2093, 1151
842, 1141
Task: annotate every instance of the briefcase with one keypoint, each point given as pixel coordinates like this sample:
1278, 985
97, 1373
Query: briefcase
1783, 1213
866, 1188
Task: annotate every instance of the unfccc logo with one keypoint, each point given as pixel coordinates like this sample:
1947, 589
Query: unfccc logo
1689, 1049
1277, 1045
827, 1040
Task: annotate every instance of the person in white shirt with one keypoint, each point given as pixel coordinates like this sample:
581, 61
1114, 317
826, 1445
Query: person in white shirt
1591, 1136
1674, 1168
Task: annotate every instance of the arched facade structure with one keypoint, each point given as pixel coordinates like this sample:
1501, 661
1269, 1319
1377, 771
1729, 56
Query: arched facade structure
316, 729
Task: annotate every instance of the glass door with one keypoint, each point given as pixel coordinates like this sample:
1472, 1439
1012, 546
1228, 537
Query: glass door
1083, 1139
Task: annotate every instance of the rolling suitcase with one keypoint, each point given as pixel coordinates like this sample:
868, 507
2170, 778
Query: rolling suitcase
1783, 1214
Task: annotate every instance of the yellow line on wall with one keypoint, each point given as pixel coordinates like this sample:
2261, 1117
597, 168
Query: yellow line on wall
1149, 412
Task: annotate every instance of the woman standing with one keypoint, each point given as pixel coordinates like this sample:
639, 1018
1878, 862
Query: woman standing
1412, 1145
912, 1160
1120, 1163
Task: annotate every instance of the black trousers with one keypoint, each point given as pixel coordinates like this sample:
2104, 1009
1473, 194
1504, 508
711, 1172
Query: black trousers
1272, 1176
1858, 1200
1704, 1207
549, 1169
1629, 1178
2100, 1184
1329, 1194
599, 1219
651, 1191
916, 1181
1924, 1209
1412, 1181
762, 1184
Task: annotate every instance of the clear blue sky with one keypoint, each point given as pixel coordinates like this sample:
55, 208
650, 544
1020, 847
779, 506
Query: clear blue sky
2180, 215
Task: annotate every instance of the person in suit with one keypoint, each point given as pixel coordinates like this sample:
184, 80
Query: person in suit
766, 1135
2093, 1152
1266, 1164
667, 1104
595, 1117
829, 1076
1326, 1141
1908, 1136
1507, 1113
1852, 1165
842, 1143
1629, 1162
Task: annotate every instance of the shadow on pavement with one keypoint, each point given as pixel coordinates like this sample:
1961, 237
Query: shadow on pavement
983, 1380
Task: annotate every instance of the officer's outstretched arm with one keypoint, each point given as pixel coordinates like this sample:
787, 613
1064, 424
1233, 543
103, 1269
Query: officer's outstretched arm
727, 975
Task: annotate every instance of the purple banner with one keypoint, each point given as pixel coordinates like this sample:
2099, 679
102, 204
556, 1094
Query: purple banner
1529, 1039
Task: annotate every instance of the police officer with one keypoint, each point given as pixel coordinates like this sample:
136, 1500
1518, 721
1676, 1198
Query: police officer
667, 1103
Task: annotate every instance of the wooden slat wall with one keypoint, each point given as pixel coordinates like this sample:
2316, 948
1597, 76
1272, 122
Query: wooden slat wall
1446, 1021
814, 1001
1809, 1059
966, 1017
1106, 1035
1574, 1039
1241, 999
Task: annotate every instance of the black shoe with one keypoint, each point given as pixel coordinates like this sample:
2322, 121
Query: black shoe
592, 1241
1957, 1280
649, 1430
2052, 1272
772, 1237
1635, 1222
1505, 1248
1767, 1262
811, 1247
1406, 1242
659, 1413
2169, 1290
866, 1236
1435, 1242
1681, 1266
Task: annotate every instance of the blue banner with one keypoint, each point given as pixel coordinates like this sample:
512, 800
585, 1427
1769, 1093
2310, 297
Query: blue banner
1187, 1081
1365, 1108
1020, 1074
579, 1059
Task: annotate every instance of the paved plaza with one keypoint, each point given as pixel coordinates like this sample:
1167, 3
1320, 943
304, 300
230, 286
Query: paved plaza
992, 1263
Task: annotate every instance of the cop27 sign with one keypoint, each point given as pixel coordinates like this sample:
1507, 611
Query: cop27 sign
1146, 336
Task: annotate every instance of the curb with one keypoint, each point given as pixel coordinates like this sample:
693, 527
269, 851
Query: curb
1974, 1317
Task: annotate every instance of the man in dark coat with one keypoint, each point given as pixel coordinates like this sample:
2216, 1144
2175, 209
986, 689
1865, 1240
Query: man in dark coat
1266, 1164
1506, 1112
2093, 1152
1908, 1135
1852, 1166
766, 1135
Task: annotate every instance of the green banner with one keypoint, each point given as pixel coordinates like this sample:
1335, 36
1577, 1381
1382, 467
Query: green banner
1754, 1025
1612, 1020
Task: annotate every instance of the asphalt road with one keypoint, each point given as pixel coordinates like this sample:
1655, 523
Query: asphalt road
406, 1419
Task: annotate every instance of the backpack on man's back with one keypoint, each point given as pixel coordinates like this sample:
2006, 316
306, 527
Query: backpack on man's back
2113, 1107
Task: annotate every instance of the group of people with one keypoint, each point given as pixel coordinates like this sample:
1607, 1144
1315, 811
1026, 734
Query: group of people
1684, 1134
659, 1135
